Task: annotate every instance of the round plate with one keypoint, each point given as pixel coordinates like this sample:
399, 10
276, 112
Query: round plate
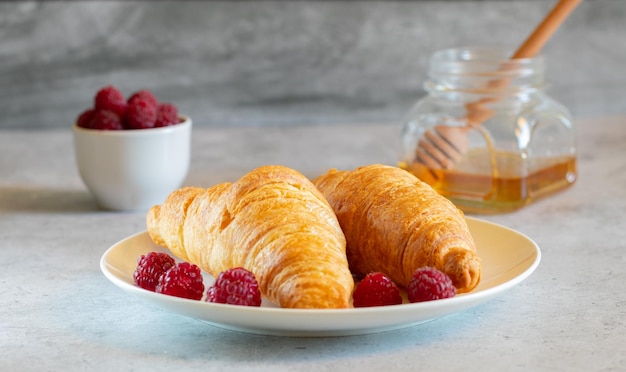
508, 257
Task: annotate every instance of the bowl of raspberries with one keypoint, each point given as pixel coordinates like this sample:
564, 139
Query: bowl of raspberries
133, 151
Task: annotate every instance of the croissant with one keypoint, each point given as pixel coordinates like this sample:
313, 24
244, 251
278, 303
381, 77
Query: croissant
394, 223
273, 222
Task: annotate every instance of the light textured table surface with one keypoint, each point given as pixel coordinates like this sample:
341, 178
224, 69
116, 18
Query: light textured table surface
58, 312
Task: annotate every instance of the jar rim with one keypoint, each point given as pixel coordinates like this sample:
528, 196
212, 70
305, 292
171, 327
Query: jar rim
483, 60
479, 69
481, 53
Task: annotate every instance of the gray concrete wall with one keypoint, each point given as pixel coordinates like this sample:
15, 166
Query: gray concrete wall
284, 62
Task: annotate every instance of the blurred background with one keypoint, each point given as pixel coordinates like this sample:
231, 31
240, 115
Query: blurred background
255, 63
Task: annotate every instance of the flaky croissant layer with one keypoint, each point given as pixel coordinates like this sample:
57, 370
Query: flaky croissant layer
273, 222
394, 223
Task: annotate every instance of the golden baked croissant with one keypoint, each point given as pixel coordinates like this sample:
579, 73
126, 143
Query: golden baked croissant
273, 222
395, 223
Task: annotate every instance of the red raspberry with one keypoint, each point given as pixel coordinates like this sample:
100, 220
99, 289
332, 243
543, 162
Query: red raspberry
150, 267
376, 289
85, 118
183, 280
236, 286
167, 114
106, 120
146, 95
429, 284
140, 114
111, 99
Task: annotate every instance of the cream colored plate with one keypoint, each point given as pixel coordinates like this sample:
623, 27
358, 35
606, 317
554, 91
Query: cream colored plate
508, 258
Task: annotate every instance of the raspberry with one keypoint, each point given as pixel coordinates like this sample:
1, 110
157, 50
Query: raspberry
183, 280
167, 114
236, 286
106, 120
85, 118
376, 290
150, 267
111, 99
429, 284
140, 114
146, 95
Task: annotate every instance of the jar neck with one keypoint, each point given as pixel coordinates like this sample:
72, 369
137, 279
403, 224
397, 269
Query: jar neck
484, 72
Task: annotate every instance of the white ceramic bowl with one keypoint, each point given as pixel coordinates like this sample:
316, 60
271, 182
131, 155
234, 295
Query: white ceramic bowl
128, 170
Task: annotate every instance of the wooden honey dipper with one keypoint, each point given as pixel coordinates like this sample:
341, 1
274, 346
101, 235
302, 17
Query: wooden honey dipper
443, 146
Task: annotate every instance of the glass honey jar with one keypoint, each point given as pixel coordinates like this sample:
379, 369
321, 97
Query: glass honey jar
487, 136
